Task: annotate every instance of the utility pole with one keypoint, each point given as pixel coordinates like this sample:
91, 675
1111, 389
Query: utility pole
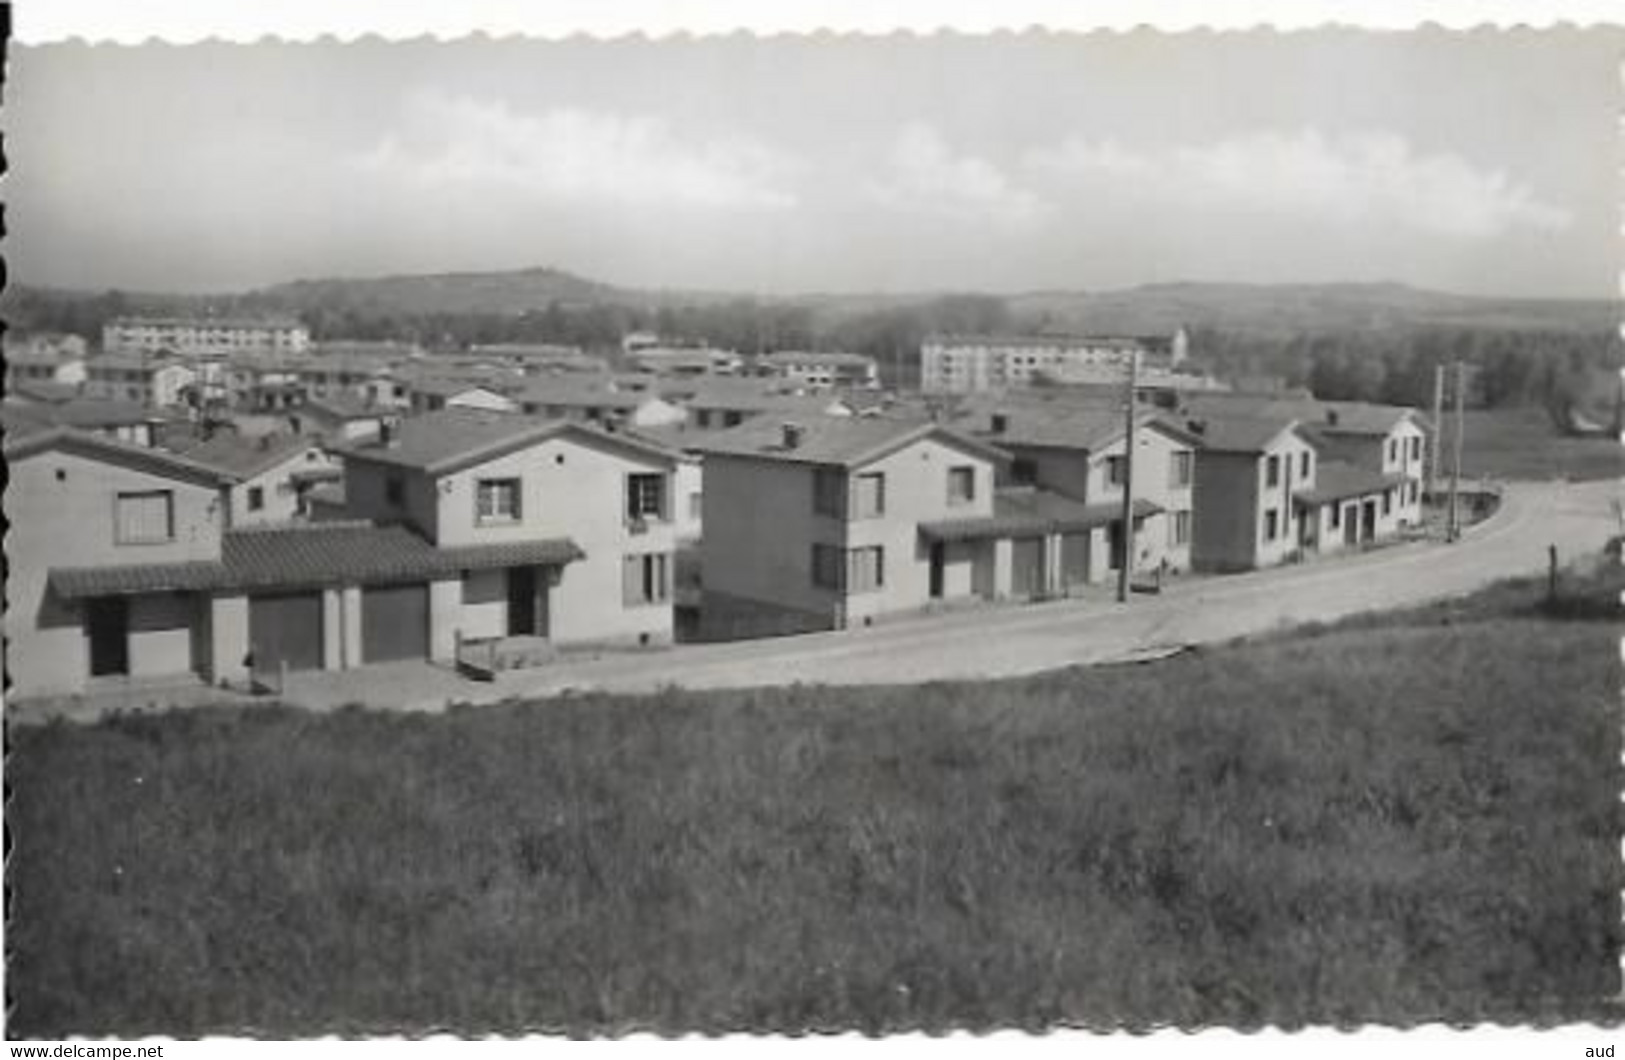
1455, 462
1126, 564
1435, 437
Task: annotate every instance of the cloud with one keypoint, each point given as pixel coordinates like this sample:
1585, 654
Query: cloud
459, 142
1367, 178
921, 174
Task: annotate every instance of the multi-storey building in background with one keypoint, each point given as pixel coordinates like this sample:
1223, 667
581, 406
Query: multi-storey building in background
963, 364
195, 336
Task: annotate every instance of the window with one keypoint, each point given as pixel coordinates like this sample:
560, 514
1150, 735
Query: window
646, 579
1272, 472
1180, 466
395, 490
866, 569
869, 495
826, 566
1387, 501
1272, 524
732, 419
1416, 448
1303, 464
1023, 471
1414, 489
1116, 470
645, 497
961, 485
145, 518
702, 418
496, 500
1393, 449
694, 505
1179, 528
256, 498
1337, 516
829, 492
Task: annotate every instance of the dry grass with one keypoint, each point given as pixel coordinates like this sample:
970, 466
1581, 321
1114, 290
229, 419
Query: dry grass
1522, 443
1415, 820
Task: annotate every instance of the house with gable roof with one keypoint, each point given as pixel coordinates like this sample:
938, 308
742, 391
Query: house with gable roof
474, 479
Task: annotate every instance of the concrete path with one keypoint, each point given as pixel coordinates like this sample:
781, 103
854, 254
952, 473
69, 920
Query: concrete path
999, 642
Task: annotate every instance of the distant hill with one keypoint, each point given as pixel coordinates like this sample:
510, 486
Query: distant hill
1151, 309
453, 292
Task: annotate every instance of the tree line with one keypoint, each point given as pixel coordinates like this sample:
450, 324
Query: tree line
1392, 364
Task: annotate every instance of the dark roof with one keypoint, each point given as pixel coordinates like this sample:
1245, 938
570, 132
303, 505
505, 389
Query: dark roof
1058, 425
1142, 342
833, 359
308, 555
1336, 480
240, 457
1238, 434
1326, 417
111, 450
1026, 510
451, 439
346, 406
92, 412
43, 391
839, 441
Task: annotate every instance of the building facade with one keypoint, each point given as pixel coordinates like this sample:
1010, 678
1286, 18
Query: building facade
192, 336
965, 364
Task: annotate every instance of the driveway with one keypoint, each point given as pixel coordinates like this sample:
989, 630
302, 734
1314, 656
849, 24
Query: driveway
1007, 641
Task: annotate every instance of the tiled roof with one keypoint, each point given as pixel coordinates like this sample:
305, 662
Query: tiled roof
833, 359
98, 447
346, 407
1336, 480
1026, 510
309, 555
242, 457
450, 439
1326, 417
1238, 434
841, 441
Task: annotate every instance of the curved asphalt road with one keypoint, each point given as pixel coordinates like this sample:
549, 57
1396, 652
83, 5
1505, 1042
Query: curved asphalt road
1005, 641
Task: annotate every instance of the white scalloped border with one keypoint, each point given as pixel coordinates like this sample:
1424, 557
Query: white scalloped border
186, 21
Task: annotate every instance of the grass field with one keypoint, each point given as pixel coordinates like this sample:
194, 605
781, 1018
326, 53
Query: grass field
1407, 818
1524, 444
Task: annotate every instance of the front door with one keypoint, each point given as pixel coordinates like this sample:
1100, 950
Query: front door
1351, 525
521, 601
1368, 529
939, 560
108, 622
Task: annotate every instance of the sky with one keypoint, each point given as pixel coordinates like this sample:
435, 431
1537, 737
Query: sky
1482, 163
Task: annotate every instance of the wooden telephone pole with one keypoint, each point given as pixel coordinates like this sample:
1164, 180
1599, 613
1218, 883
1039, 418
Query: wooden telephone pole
1126, 564
1435, 438
1455, 459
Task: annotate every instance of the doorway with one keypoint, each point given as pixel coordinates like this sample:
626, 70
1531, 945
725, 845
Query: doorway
939, 562
521, 601
1368, 521
107, 620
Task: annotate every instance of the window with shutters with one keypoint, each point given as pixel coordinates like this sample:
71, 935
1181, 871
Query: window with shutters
1179, 528
961, 485
1387, 501
866, 569
826, 567
496, 501
1304, 459
1416, 448
869, 495
1180, 466
646, 579
145, 518
1272, 471
1272, 524
645, 497
829, 492
1116, 471
256, 498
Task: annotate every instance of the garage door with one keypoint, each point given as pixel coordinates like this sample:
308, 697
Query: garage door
394, 622
1027, 566
285, 628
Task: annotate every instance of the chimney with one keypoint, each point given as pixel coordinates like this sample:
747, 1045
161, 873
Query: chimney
1331, 417
1197, 426
1000, 422
386, 434
792, 435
